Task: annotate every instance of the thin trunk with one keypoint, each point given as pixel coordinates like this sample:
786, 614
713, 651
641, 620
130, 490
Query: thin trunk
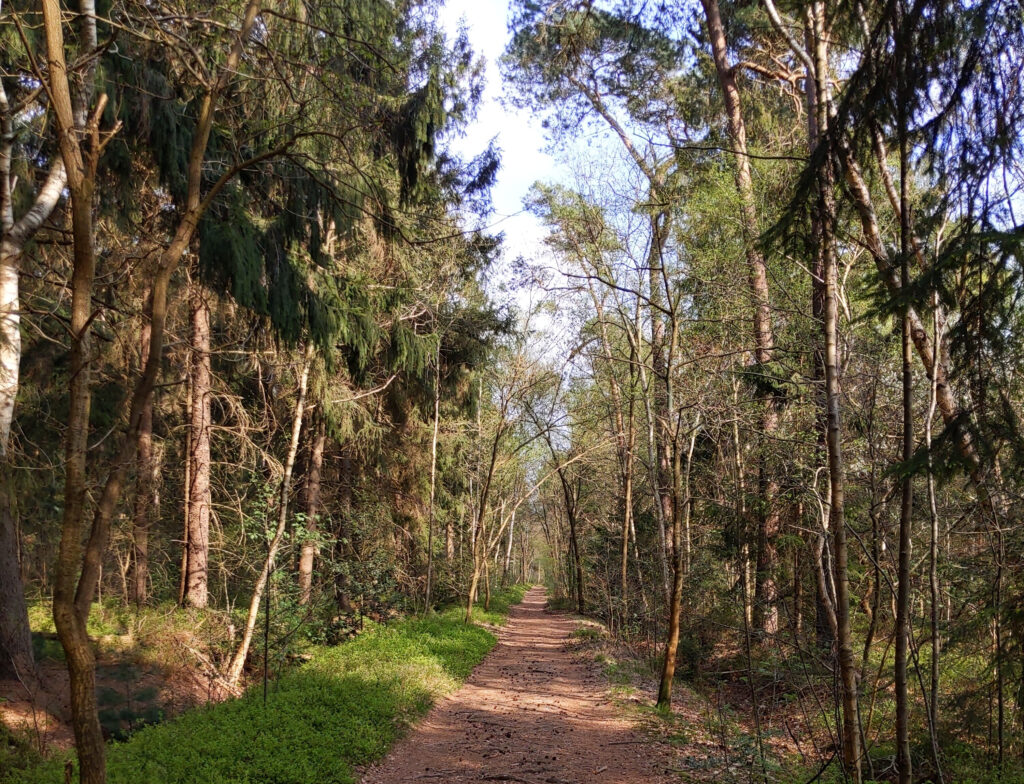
234, 674
652, 461
817, 112
487, 583
186, 485
145, 488
69, 615
997, 613
837, 515
431, 513
741, 514
508, 550
471, 596
343, 531
798, 597
658, 410
15, 640
197, 577
833, 422
844, 636
903, 760
933, 554
16, 657
307, 554
78, 568
581, 604
769, 520
449, 539
680, 506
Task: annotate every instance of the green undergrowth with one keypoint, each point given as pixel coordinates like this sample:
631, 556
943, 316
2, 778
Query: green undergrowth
501, 602
146, 635
341, 709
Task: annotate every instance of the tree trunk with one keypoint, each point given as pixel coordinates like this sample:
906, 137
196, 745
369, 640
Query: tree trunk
344, 532
431, 512
487, 583
312, 493
234, 674
199, 498
837, 516
78, 568
680, 507
826, 217
471, 596
903, 758
69, 615
769, 520
10, 336
668, 669
15, 637
574, 546
508, 551
145, 489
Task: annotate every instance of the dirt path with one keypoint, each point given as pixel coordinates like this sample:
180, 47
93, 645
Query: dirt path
531, 713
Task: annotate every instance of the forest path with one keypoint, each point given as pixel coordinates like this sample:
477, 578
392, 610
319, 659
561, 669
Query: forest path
532, 712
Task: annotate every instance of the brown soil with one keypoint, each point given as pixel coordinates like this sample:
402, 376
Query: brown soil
43, 714
532, 712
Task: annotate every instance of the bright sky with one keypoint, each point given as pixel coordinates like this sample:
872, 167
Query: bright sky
521, 140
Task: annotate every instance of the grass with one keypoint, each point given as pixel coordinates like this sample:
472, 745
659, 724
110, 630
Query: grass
342, 709
145, 634
501, 602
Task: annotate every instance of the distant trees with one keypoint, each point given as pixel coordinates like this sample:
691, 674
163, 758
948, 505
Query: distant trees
827, 168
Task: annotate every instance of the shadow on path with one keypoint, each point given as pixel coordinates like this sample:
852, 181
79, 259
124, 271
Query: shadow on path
531, 713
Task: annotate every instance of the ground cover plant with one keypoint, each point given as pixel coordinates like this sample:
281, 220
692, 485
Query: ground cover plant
341, 709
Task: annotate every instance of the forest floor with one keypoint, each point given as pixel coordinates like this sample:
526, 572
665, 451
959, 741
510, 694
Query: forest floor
125, 686
533, 712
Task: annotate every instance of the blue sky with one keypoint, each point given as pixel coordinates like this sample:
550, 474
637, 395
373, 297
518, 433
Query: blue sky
521, 139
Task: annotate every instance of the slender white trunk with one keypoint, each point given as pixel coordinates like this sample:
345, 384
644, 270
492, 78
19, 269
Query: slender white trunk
433, 479
10, 339
238, 662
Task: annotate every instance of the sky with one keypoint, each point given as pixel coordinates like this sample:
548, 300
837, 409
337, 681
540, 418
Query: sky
520, 138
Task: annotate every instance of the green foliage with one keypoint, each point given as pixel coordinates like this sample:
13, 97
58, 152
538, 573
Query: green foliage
123, 710
17, 753
501, 602
344, 708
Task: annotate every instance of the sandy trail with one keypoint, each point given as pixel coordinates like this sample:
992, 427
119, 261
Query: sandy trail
531, 713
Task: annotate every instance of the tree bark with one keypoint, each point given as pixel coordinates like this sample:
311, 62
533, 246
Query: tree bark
237, 665
307, 555
826, 210
766, 592
70, 616
903, 758
16, 657
431, 510
199, 496
74, 590
680, 507
15, 638
146, 482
